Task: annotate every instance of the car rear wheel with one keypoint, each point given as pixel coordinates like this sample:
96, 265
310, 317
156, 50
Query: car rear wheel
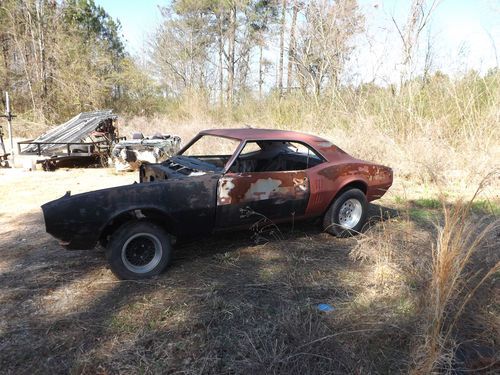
347, 214
138, 250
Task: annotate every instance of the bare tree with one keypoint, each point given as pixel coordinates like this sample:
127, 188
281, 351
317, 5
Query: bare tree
231, 53
292, 46
180, 50
324, 43
418, 18
262, 16
58, 56
282, 46
428, 59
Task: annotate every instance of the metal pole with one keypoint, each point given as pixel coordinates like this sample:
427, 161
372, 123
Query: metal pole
9, 119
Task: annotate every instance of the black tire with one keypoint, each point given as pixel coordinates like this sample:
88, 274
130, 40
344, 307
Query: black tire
138, 250
332, 221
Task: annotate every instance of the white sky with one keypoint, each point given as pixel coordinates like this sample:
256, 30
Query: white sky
465, 34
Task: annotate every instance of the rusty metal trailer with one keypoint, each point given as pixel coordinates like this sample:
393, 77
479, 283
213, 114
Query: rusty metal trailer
84, 140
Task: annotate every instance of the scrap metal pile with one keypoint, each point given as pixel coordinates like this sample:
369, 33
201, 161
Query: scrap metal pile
128, 155
85, 140
91, 139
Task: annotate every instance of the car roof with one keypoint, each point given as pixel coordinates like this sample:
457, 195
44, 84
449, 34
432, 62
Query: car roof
260, 134
323, 146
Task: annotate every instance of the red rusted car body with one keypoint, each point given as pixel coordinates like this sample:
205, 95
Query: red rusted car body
317, 185
280, 175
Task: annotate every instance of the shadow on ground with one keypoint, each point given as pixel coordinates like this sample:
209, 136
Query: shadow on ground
225, 305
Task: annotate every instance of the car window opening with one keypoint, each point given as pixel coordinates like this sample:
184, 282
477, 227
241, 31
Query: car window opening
208, 153
275, 156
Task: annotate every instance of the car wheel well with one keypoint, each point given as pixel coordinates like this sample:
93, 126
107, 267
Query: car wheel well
351, 185
152, 215
354, 185
347, 214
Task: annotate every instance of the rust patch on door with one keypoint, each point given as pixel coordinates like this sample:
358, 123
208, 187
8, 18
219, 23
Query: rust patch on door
242, 188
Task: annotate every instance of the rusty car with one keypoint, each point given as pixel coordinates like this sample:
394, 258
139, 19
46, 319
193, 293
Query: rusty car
211, 185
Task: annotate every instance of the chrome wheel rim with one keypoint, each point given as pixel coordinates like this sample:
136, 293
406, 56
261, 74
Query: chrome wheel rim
141, 253
350, 213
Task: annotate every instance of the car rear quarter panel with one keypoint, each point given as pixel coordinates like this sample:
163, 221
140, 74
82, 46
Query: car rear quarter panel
328, 179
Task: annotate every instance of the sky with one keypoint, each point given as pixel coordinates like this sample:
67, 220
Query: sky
465, 34
137, 17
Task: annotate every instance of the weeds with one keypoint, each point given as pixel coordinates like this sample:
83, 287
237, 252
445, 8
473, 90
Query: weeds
453, 282
431, 277
263, 229
444, 134
409, 295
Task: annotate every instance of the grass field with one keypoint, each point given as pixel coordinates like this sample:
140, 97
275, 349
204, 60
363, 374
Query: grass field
417, 293
227, 305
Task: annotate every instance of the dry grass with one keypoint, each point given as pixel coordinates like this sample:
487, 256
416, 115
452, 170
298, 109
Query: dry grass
421, 158
445, 278
454, 282
442, 137
229, 306
417, 292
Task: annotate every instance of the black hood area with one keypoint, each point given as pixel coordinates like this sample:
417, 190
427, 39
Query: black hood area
184, 204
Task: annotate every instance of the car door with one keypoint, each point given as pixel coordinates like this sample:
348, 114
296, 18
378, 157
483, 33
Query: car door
245, 198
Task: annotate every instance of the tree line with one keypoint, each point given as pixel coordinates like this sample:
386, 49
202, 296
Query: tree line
60, 57
228, 48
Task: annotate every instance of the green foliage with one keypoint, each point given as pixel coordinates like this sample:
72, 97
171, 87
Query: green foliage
138, 93
60, 58
486, 207
94, 24
429, 203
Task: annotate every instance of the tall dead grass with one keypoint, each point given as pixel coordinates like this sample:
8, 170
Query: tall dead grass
454, 280
441, 278
443, 134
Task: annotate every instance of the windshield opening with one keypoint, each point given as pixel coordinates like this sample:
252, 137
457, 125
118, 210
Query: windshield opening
212, 150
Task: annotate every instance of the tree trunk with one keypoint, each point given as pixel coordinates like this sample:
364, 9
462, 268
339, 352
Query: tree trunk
282, 46
261, 73
41, 46
24, 56
221, 68
231, 55
6, 55
291, 48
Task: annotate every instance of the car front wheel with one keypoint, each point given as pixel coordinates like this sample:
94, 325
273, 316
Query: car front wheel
347, 214
138, 250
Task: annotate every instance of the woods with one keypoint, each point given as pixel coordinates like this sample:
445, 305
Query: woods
275, 62
63, 57
58, 58
227, 48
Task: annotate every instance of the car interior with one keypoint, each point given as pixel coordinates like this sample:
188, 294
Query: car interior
256, 156
274, 156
